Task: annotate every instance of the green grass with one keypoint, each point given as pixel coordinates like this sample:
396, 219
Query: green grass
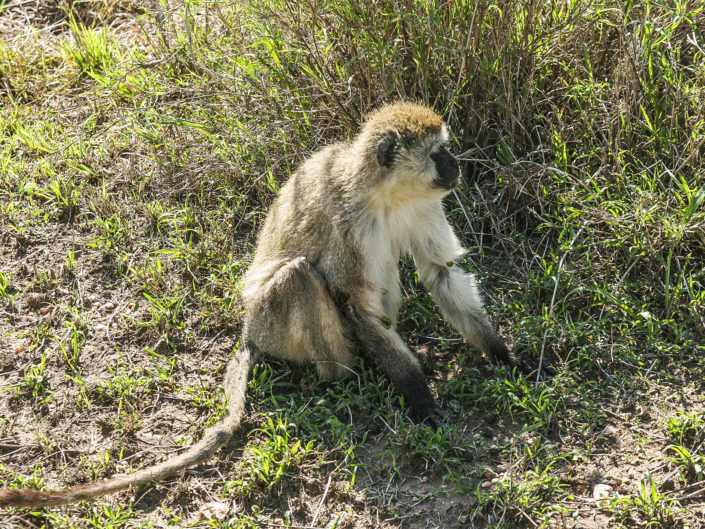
140, 147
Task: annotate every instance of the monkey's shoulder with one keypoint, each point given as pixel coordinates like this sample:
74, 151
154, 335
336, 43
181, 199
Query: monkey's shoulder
335, 170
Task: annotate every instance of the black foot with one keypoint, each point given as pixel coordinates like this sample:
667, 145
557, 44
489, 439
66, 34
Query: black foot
417, 395
433, 416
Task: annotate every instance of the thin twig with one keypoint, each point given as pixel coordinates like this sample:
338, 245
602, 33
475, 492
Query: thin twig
320, 504
697, 493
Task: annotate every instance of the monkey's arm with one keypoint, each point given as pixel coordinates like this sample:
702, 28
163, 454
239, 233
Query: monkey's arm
457, 296
395, 358
455, 291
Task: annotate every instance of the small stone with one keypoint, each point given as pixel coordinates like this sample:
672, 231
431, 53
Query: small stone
214, 510
610, 431
601, 490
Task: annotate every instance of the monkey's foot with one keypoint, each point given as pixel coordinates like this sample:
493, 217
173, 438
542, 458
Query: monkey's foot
432, 415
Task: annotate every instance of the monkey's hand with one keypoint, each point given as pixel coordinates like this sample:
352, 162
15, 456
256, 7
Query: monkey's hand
518, 360
530, 367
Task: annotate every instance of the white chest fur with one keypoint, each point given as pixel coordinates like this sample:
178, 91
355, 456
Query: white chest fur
396, 229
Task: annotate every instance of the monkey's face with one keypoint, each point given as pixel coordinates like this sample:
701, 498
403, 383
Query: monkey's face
447, 169
423, 167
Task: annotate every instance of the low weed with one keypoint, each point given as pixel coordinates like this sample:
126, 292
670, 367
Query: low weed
687, 428
34, 380
687, 433
93, 50
6, 291
275, 455
648, 506
112, 233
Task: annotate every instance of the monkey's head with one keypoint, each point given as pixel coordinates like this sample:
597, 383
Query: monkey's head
410, 146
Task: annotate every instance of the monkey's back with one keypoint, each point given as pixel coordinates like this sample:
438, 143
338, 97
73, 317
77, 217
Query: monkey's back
309, 218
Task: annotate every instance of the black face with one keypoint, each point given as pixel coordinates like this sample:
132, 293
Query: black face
446, 167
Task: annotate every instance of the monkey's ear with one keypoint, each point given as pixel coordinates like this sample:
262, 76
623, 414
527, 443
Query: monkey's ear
386, 149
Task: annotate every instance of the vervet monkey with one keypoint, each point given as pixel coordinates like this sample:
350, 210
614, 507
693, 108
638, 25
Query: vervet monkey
325, 274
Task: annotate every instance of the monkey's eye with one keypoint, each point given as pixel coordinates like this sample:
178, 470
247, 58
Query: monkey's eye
439, 148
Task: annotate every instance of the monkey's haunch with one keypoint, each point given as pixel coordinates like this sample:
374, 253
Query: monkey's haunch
235, 387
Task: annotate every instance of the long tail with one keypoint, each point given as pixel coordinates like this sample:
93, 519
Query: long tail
235, 388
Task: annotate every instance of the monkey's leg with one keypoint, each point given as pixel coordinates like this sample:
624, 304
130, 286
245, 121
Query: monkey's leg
395, 358
456, 294
294, 317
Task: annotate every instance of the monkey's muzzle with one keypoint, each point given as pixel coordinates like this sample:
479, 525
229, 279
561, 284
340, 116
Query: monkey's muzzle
447, 168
